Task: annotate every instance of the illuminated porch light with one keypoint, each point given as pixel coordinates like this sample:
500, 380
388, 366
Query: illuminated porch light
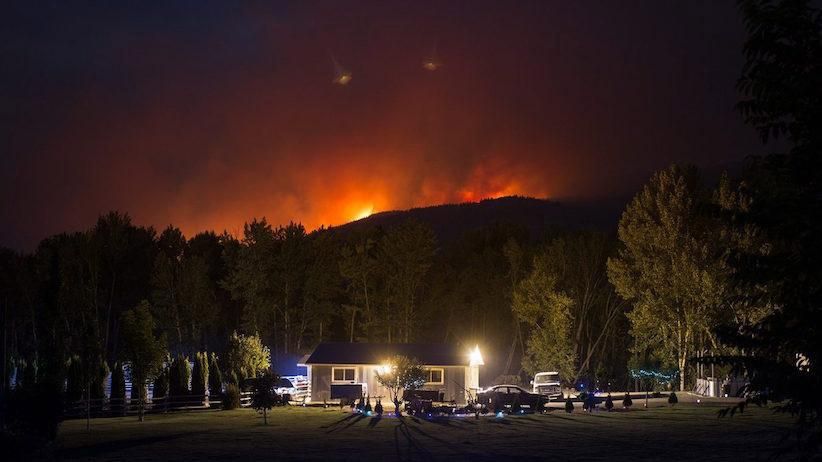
385, 368
475, 357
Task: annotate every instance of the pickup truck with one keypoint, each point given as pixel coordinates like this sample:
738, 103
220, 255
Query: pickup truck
547, 384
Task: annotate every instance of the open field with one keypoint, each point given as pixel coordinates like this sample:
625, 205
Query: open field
686, 432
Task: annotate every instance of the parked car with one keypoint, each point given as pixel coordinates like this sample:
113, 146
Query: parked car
547, 384
509, 394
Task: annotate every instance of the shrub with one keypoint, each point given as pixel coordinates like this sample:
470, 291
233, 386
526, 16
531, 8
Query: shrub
367, 405
34, 411
98, 386
74, 380
569, 405
609, 403
161, 384
627, 402
231, 398
672, 399
378, 408
179, 375
215, 377
118, 389
199, 377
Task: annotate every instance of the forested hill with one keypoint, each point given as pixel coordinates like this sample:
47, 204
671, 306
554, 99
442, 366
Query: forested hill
450, 221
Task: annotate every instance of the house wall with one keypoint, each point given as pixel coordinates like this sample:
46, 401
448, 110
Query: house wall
453, 378
320, 383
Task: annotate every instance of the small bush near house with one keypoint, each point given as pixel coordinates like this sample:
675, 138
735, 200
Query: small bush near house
569, 405
627, 402
672, 399
609, 403
231, 399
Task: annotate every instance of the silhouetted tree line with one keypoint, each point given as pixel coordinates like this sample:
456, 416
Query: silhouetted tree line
67, 298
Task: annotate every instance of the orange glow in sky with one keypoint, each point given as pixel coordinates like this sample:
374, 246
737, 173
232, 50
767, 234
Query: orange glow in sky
364, 213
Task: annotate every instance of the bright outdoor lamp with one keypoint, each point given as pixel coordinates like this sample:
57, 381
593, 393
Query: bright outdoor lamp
475, 358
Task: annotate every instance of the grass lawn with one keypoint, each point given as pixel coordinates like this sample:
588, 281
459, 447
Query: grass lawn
686, 432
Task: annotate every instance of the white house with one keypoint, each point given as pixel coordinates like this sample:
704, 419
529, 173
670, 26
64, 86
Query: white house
340, 370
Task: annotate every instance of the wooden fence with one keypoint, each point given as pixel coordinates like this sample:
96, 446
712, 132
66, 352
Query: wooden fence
107, 407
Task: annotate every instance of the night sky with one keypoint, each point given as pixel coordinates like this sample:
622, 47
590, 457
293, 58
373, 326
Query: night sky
205, 114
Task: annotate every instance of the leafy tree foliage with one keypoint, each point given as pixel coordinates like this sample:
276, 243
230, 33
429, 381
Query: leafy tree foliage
407, 251
671, 268
403, 374
597, 313
263, 397
358, 265
246, 356
546, 311
143, 351
781, 87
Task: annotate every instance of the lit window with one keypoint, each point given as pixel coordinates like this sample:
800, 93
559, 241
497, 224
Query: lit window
344, 374
434, 376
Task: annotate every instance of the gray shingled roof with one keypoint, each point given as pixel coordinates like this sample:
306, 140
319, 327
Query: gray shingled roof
378, 353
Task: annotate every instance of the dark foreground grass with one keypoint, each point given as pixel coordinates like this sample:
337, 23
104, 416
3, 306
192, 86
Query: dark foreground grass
687, 432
